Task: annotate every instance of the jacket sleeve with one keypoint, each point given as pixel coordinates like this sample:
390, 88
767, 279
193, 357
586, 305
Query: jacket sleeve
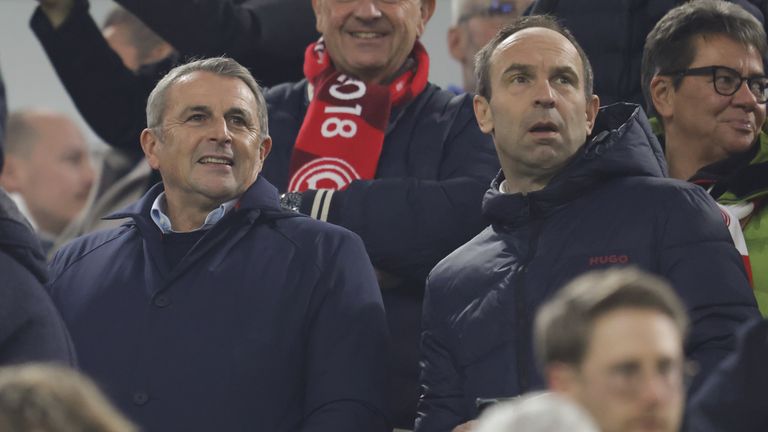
442, 405
95, 78
410, 224
706, 270
348, 347
266, 36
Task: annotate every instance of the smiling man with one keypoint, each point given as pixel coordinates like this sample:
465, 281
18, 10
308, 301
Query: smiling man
212, 308
703, 76
580, 189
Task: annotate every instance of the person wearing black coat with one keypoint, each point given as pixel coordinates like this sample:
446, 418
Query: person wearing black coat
580, 189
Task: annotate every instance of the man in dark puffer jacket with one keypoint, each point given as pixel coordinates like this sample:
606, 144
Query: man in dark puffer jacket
565, 203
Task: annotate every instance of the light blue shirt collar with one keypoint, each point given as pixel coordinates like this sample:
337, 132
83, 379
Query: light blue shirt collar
164, 223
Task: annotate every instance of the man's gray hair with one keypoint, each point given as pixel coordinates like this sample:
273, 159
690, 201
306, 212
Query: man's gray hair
536, 412
222, 66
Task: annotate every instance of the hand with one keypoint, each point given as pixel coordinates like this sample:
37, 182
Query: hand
57, 11
466, 427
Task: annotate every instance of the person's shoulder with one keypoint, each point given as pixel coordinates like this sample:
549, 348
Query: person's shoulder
14, 272
286, 92
312, 234
661, 190
436, 98
99, 245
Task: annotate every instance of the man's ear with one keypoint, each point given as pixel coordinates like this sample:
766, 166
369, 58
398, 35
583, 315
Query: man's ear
562, 378
266, 147
319, 25
593, 106
663, 96
12, 177
427, 9
149, 143
483, 114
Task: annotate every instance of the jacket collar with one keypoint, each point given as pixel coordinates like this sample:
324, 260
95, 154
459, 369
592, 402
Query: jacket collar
738, 177
622, 144
261, 197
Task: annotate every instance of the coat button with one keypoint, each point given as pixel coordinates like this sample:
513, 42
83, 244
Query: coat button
140, 398
161, 300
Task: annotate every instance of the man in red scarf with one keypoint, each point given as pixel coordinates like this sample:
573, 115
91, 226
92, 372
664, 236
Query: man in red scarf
366, 142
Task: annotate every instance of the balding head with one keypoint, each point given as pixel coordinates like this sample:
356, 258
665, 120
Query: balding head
48, 164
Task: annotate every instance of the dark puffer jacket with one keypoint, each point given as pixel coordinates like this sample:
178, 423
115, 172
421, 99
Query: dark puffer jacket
610, 205
30, 327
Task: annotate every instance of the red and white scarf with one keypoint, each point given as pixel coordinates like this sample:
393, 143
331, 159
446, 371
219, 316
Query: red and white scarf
343, 131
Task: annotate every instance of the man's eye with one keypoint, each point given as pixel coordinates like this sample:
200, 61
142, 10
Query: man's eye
726, 80
519, 79
196, 117
239, 121
564, 79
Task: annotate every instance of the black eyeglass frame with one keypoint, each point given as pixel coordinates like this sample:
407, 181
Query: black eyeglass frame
712, 71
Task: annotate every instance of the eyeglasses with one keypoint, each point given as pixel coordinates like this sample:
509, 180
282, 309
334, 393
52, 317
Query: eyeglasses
728, 81
496, 8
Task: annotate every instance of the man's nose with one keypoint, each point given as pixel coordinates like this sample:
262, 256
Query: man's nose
744, 98
219, 131
659, 387
367, 9
89, 173
544, 95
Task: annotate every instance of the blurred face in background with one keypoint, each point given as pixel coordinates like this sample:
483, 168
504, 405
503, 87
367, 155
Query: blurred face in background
477, 23
54, 174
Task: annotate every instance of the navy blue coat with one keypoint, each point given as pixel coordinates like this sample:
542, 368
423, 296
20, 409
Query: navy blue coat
30, 327
425, 202
271, 322
610, 205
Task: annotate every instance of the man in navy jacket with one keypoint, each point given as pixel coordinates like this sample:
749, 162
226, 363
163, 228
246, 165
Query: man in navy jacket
212, 308
579, 189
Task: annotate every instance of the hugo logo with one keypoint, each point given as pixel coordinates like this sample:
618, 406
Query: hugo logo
608, 259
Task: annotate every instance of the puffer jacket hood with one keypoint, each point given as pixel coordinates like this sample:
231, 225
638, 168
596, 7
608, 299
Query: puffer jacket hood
18, 239
622, 144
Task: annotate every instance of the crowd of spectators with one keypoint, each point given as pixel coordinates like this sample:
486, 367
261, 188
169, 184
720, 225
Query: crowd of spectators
292, 228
